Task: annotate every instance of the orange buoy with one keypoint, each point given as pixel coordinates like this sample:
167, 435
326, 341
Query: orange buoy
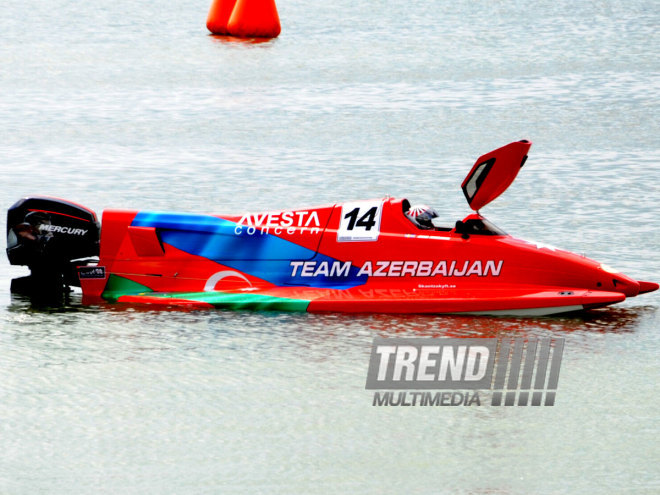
219, 14
256, 18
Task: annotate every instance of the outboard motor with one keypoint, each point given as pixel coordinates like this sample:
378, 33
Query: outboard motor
52, 237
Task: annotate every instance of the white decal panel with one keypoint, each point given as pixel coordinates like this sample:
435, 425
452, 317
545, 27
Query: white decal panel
360, 221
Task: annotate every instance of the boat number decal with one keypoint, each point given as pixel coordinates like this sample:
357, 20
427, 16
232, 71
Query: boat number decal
86, 272
360, 221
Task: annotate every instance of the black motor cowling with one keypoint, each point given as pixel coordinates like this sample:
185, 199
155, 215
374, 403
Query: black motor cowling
51, 236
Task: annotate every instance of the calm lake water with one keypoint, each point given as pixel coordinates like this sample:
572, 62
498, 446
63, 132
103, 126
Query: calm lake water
132, 104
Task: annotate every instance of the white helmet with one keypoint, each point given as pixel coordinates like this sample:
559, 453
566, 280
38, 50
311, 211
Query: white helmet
422, 215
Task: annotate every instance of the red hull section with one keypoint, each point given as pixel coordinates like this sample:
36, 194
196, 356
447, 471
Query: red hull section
381, 255
322, 259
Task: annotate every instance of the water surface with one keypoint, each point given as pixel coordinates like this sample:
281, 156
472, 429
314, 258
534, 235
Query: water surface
128, 104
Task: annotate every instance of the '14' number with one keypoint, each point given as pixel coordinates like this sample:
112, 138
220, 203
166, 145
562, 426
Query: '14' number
368, 220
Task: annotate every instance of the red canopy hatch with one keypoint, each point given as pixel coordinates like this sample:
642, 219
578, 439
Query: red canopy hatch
493, 173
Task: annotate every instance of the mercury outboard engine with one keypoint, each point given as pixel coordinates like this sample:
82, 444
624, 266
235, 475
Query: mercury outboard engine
51, 237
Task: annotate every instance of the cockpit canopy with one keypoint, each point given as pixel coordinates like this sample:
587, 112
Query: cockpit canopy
493, 173
426, 218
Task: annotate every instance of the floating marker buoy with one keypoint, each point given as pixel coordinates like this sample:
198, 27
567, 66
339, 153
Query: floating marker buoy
219, 14
256, 18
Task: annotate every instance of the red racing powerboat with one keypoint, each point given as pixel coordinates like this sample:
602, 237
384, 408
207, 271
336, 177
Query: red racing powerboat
382, 255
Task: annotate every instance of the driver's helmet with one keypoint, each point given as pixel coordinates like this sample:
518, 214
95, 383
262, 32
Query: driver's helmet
423, 215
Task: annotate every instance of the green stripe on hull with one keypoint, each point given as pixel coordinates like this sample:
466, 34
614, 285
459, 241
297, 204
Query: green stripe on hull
231, 300
118, 286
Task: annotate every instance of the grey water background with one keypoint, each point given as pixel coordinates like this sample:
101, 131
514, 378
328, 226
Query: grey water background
131, 104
